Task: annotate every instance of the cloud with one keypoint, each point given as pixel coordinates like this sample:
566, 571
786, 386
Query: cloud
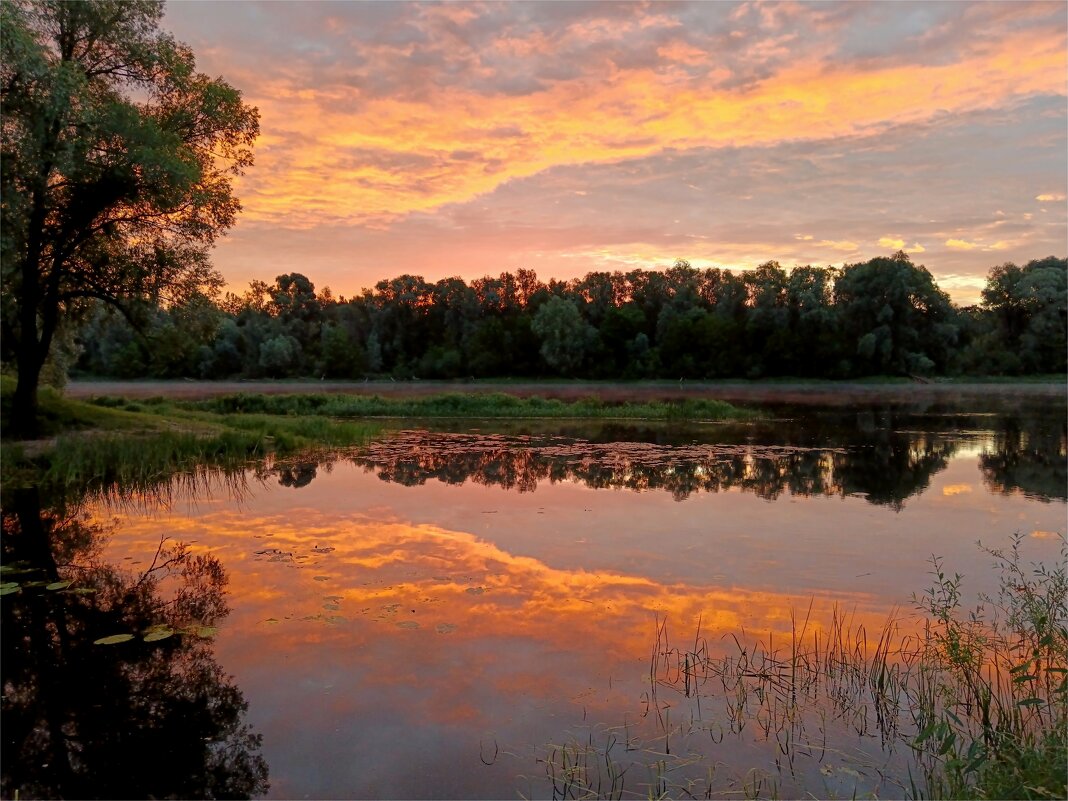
584, 85
961, 244
896, 243
568, 137
1050, 197
843, 245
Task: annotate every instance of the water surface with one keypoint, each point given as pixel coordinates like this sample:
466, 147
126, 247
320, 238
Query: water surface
481, 610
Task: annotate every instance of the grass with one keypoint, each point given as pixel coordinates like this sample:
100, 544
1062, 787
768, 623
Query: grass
467, 405
973, 703
109, 443
129, 447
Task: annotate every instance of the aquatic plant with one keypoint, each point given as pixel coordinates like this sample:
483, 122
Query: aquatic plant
968, 704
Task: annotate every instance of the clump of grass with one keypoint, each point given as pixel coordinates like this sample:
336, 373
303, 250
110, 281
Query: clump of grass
980, 697
461, 405
993, 689
113, 445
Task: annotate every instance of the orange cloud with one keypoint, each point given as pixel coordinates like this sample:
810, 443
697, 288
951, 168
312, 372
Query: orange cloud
320, 156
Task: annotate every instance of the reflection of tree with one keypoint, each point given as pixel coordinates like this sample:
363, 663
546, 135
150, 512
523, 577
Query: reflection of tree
131, 720
887, 469
296, 475
892, 468
1030, 455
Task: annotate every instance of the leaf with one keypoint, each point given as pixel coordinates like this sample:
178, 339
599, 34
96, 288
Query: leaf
114, 639
7, 590
59, 585
206, 632
158, 634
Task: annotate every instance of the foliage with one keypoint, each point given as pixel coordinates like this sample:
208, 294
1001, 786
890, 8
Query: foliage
885, 316
999, 675
117, 160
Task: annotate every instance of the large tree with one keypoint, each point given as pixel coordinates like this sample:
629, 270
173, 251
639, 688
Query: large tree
118, 161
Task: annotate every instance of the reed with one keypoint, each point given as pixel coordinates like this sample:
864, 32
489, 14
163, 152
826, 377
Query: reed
959, 704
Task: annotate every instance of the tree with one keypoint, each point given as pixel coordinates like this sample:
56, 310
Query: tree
118, 159
899, 319
1030, 312
565, 337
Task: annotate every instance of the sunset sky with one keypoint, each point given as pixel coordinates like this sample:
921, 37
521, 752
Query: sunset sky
472, 138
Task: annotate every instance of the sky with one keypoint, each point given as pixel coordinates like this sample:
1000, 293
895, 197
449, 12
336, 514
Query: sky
469, 138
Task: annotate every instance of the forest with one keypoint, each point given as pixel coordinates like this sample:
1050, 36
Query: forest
885, 316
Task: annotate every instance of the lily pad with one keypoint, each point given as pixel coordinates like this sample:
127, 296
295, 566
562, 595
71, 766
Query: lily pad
114, 639
7, 589
407, 624
207, 631
321, 578
445, 628
158, 634
331, 607
82, 590
59, 585
475, 590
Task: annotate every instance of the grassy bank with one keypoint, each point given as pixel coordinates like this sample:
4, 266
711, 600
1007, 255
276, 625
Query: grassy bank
107, 442
467, 405
134, 447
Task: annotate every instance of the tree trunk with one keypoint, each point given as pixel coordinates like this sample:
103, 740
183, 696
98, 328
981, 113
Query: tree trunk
24, 402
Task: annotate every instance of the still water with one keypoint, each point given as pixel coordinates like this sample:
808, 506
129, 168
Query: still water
502, 610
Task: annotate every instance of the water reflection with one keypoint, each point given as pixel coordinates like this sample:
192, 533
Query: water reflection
870, 459
133, 719
1030, 458
426, 635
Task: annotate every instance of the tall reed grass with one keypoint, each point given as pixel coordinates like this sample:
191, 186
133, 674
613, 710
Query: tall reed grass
973, 701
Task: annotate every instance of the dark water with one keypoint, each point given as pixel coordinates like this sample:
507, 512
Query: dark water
500, 610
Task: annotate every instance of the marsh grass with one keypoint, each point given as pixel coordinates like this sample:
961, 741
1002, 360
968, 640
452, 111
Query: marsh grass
968, 704
467, 405
124, 447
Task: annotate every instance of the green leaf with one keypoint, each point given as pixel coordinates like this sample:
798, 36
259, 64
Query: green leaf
59, 585
206, 632
7, 589
157, 634
114, 639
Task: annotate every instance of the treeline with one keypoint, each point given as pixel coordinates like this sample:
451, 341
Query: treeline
884, 316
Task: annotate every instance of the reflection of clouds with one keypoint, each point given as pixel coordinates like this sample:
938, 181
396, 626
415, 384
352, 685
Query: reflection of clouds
957, 489
379, 572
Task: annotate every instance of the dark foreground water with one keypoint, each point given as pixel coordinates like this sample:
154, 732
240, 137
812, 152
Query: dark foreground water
503, 610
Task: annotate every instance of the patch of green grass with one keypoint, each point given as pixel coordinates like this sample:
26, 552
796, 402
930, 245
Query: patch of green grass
461, 405
124, 446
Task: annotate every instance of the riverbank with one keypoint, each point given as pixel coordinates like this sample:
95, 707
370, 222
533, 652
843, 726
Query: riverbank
834, 393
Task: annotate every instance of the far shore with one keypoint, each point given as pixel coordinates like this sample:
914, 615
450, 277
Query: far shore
775, 391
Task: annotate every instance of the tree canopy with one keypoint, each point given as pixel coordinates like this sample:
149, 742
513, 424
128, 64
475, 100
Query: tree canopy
883, 316
118, 161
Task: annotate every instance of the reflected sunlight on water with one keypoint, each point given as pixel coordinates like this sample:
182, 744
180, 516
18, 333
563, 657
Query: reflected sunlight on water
436, 598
